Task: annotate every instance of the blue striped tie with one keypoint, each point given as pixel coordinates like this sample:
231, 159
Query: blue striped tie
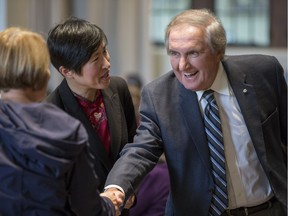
213, 130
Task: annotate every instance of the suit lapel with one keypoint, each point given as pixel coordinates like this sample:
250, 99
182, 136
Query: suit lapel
247, 100
193, 118
113, 112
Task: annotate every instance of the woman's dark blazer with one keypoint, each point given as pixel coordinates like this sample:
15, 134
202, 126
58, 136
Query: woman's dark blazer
121, 120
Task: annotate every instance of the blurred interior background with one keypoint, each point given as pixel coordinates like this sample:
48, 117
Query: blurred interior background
135, 28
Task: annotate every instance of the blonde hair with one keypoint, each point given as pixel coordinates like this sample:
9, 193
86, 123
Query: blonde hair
24, 60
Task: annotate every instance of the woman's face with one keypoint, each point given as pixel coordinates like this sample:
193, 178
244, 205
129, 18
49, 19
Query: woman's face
95, 74
193, 62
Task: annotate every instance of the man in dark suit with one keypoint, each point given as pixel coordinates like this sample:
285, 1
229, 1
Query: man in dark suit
251, 93
103, 104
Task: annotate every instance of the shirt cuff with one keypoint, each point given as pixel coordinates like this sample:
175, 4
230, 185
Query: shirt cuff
115, 186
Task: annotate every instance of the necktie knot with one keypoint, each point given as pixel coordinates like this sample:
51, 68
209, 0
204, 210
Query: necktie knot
208, 95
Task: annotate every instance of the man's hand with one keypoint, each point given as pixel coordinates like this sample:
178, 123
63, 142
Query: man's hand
116, 196
129, 203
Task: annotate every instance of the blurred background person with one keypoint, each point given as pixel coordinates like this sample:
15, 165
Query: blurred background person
44, 165
135, 86
78, 50
153, 192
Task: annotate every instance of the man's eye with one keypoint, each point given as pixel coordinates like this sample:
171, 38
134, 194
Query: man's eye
172, 53
194, 54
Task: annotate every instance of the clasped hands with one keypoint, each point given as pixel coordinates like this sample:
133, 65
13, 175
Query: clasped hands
117, 197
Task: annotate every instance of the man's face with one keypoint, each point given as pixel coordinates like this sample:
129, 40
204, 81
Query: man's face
194, 64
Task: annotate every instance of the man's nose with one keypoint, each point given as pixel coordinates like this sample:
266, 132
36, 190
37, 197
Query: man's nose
183, 63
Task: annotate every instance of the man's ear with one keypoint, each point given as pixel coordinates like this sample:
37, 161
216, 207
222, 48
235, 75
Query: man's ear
67, 73
219, 56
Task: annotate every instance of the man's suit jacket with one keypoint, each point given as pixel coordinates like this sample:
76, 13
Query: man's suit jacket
171, 121
121, 121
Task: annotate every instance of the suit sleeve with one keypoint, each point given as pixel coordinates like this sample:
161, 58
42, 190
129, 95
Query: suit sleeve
139, 157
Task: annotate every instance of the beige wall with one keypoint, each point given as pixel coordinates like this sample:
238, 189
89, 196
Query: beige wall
126, 23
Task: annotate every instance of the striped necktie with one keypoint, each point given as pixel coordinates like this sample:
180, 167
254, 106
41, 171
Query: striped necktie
213, 130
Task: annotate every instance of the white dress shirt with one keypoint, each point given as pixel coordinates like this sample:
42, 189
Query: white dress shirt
247, 182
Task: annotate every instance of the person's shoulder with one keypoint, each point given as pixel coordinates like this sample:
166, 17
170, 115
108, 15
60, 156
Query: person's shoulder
56, 118
251, 62
61, 133
56, 113
117, 81
118, 85
255, 66
250, 58
48, 117
163, 80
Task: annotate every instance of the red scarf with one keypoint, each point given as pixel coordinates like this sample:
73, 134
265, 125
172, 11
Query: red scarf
95, 111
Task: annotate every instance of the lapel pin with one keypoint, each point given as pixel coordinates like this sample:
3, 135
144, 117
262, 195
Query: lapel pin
244, 91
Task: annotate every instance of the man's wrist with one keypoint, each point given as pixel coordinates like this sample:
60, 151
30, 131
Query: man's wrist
115, 186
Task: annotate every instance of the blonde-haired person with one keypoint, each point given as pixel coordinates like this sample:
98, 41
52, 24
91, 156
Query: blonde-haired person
44, 165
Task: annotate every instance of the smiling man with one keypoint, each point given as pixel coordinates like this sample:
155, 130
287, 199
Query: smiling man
221, 122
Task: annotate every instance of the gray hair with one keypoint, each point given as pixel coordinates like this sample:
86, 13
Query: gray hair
215, 34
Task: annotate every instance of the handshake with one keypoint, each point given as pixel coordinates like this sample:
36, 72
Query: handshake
118, 198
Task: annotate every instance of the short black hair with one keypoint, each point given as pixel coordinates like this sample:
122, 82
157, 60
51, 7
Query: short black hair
72, 43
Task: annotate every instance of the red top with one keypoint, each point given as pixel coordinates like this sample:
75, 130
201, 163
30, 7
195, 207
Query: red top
95, 111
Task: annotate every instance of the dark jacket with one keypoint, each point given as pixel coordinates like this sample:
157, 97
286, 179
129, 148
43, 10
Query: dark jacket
121, 120
171, 121
44, 165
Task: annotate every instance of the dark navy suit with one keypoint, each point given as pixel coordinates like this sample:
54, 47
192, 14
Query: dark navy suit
171, 122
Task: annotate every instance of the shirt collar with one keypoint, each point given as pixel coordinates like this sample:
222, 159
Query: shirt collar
220, 84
